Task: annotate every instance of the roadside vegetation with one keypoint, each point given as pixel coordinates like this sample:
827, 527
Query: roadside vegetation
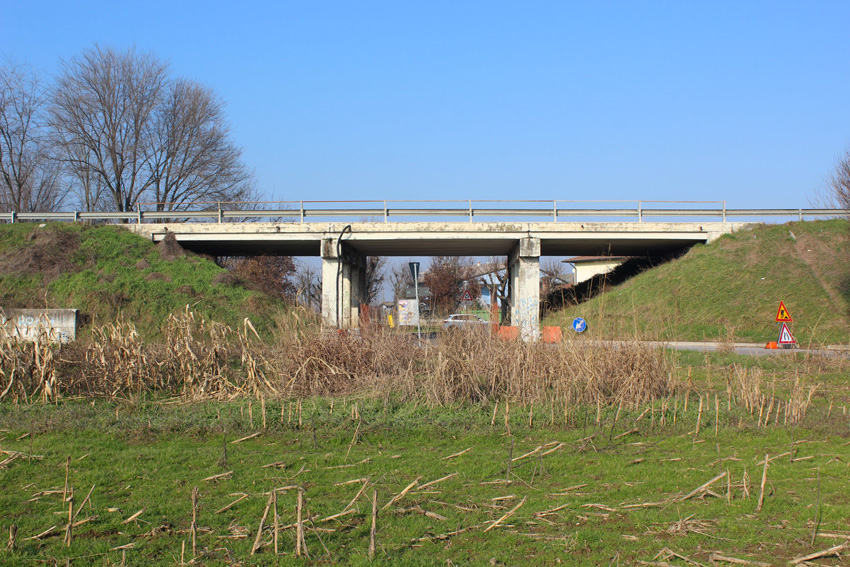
730, 290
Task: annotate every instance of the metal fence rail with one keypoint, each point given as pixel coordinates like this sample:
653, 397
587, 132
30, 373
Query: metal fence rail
401, 210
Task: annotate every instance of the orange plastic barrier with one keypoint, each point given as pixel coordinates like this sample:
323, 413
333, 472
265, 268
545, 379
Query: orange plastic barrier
771, 345
509, 333
552, 335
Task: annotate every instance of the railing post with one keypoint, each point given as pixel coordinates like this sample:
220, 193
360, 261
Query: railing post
386, 212
302, 210
76, 216
801, 215
470, 210
220, 213
724, 211
138, 213
554, 211
12, 217
640, 211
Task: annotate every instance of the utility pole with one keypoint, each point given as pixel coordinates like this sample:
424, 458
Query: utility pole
414, 271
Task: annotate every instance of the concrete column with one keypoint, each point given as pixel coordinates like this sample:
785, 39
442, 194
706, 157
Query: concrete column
358, 288
345, 294
343, 285
524, 264
330, 281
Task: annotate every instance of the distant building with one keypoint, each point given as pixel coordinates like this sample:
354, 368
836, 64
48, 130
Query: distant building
586, 267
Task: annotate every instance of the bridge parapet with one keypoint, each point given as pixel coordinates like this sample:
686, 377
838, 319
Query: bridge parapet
471, 210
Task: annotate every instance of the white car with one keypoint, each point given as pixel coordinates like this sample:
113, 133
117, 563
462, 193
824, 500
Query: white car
462, 321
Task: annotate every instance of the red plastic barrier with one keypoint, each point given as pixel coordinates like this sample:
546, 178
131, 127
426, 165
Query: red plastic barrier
509, 333
552, 335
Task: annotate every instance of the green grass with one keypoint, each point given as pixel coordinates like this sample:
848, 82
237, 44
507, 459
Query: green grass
149, 455
109, 270
732, 289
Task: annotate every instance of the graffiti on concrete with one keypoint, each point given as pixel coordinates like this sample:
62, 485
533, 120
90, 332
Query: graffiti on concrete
53, 325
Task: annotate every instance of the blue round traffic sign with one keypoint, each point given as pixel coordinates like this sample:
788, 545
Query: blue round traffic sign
579, 325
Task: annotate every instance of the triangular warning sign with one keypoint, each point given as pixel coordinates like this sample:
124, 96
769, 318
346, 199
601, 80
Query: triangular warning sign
782, 315
466, 296
785, 336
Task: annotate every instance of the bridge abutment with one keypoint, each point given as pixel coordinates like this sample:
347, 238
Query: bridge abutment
524, 269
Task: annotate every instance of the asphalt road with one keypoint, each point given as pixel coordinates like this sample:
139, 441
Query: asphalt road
751, 349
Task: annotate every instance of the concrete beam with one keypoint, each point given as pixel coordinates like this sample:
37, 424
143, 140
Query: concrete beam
524, 266
440, 238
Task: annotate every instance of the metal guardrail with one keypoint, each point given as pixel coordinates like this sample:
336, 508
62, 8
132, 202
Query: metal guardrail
306, 211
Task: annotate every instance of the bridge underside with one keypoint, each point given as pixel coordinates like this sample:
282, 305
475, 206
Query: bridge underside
437, 239
343, 249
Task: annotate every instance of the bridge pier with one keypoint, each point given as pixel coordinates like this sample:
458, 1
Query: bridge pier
524, 270
343, 285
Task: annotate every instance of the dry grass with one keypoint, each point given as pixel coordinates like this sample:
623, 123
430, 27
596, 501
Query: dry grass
478, 367
27, 368
202, 359
748, 387
116, 361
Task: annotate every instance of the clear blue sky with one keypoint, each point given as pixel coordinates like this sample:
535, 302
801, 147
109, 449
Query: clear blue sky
743, 101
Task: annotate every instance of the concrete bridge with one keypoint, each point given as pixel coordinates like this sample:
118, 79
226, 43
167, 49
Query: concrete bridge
343, 248
315, 228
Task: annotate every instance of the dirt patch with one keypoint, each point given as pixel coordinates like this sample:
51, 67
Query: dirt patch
828, 263
142, 264
158, 276
227, 279
169, 248
49, 254
116, 300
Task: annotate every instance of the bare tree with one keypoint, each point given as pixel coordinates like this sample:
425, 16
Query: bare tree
448, 277
102, 114
497, 281
128, 132
400, 279
839, 182
375, 274
191, 155
554, 274
272, 275
29, 178
308, 286
84, 181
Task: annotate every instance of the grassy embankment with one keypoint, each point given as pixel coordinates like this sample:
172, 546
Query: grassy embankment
731, 289
582, 484
105, 270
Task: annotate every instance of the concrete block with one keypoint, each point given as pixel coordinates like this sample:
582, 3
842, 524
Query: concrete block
529, 248
59, 325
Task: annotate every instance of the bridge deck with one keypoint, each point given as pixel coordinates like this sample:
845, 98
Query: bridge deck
439, 238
